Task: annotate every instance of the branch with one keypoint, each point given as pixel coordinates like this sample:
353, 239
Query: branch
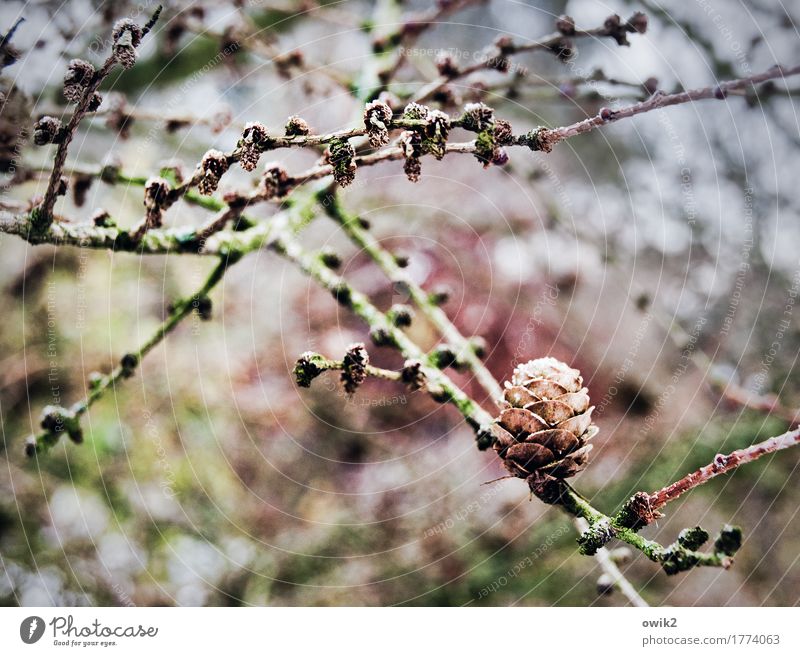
57, 420
384, 333
277, 236
550, 137
127, 36
464, 349
608, 565
720, 465
355, 368
559, 43
679, 556
409, 33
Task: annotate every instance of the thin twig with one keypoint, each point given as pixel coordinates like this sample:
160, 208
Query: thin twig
388, 264
608, 565
497, 57
659, 100
44, 213
288, 247
42, 441
722, 464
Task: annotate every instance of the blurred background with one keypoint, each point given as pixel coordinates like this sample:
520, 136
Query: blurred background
658, 255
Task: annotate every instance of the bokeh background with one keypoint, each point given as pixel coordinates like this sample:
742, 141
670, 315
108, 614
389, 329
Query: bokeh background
658, 255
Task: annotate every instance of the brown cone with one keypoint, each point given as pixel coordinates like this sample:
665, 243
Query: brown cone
548, 422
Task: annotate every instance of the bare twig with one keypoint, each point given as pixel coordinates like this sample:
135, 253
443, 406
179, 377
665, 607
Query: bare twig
659, 100
410, 31
559, 43
720, 465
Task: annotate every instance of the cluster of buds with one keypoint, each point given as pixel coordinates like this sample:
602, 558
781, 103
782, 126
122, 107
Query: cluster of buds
354, 367
156, 192
562, 48
411, 145
617, 30
296, 127
212, 167
254, 141
77, 79
127, 36
275, 181
340, 156
47, 130
377, 117
102, 219
498, 57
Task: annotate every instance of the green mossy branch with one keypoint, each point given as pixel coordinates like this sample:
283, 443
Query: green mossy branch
58, 420
310, 365
680, 556
465, 351
277, 235
384, 332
